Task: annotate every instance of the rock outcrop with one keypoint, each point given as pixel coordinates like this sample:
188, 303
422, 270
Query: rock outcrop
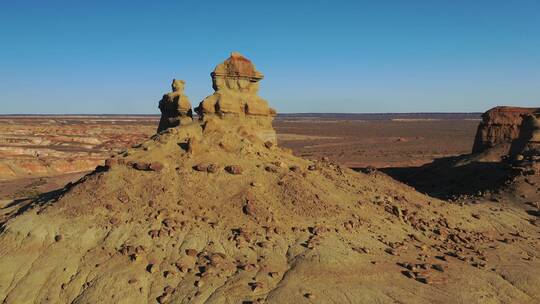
501, 126
175, 107
236, 84
531, 135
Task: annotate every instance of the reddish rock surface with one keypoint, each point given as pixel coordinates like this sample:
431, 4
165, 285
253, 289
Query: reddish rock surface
500, 125
45, 146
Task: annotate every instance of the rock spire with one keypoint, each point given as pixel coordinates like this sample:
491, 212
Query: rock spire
235, 102
175, 107
236, 84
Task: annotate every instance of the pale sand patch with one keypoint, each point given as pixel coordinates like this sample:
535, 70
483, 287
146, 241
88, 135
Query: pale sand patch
414, 119
316, 120
290, 136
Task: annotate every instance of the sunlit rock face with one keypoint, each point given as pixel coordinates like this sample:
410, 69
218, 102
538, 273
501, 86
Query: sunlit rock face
175, 107
502, 126
236, 85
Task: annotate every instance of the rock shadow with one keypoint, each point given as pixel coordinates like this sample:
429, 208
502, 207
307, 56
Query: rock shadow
452, 177
22, 205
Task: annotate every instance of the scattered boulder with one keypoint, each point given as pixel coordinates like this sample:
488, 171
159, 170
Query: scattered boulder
295, 169
202, 167
151, 268
422, 278
309, 296
191, 252
438, 267
153, 166
234, 169
212, 168
141, 166
206, 167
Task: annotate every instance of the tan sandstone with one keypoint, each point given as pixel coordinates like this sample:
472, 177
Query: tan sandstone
175, 107
236, 85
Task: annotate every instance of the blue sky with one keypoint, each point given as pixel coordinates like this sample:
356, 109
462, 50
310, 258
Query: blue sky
317, 56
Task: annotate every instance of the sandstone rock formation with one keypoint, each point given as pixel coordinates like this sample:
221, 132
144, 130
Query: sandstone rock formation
531, 135
236, 84
175, 107
500, 126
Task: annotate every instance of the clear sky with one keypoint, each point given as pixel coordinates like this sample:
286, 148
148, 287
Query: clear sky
317, 56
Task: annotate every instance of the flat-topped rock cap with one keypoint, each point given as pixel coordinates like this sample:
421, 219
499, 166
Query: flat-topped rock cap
237, 66
507, 114
501, 125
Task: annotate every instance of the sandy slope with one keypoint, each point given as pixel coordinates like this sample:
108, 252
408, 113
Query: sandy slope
158, 226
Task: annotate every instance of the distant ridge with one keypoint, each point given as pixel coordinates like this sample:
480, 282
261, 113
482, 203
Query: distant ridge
324, 116
383, 116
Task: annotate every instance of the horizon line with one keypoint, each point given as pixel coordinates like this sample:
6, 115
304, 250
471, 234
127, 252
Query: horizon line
278, 114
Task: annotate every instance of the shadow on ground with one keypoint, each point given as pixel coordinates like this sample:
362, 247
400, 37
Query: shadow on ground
452, 177
19, 206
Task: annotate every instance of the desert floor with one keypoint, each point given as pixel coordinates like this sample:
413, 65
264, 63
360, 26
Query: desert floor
450, 230
42, 153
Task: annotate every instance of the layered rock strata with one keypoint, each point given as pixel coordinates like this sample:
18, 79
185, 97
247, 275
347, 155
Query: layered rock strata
501, 126
175, 107
236, 85
531, 131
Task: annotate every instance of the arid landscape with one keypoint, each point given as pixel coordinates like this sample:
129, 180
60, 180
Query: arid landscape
42, 153
269, 152
227, 202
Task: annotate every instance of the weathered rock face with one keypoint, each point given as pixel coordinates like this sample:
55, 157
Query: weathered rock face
501, 126
175, 107
531, 132
236, 84
535, 136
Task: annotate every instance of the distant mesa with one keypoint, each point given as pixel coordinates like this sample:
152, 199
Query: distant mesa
531, 134
505, 159
507, 129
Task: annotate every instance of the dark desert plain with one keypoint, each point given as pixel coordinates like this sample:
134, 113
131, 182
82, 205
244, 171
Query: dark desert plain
40, 153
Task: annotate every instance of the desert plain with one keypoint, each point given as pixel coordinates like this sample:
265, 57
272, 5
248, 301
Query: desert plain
40, 153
